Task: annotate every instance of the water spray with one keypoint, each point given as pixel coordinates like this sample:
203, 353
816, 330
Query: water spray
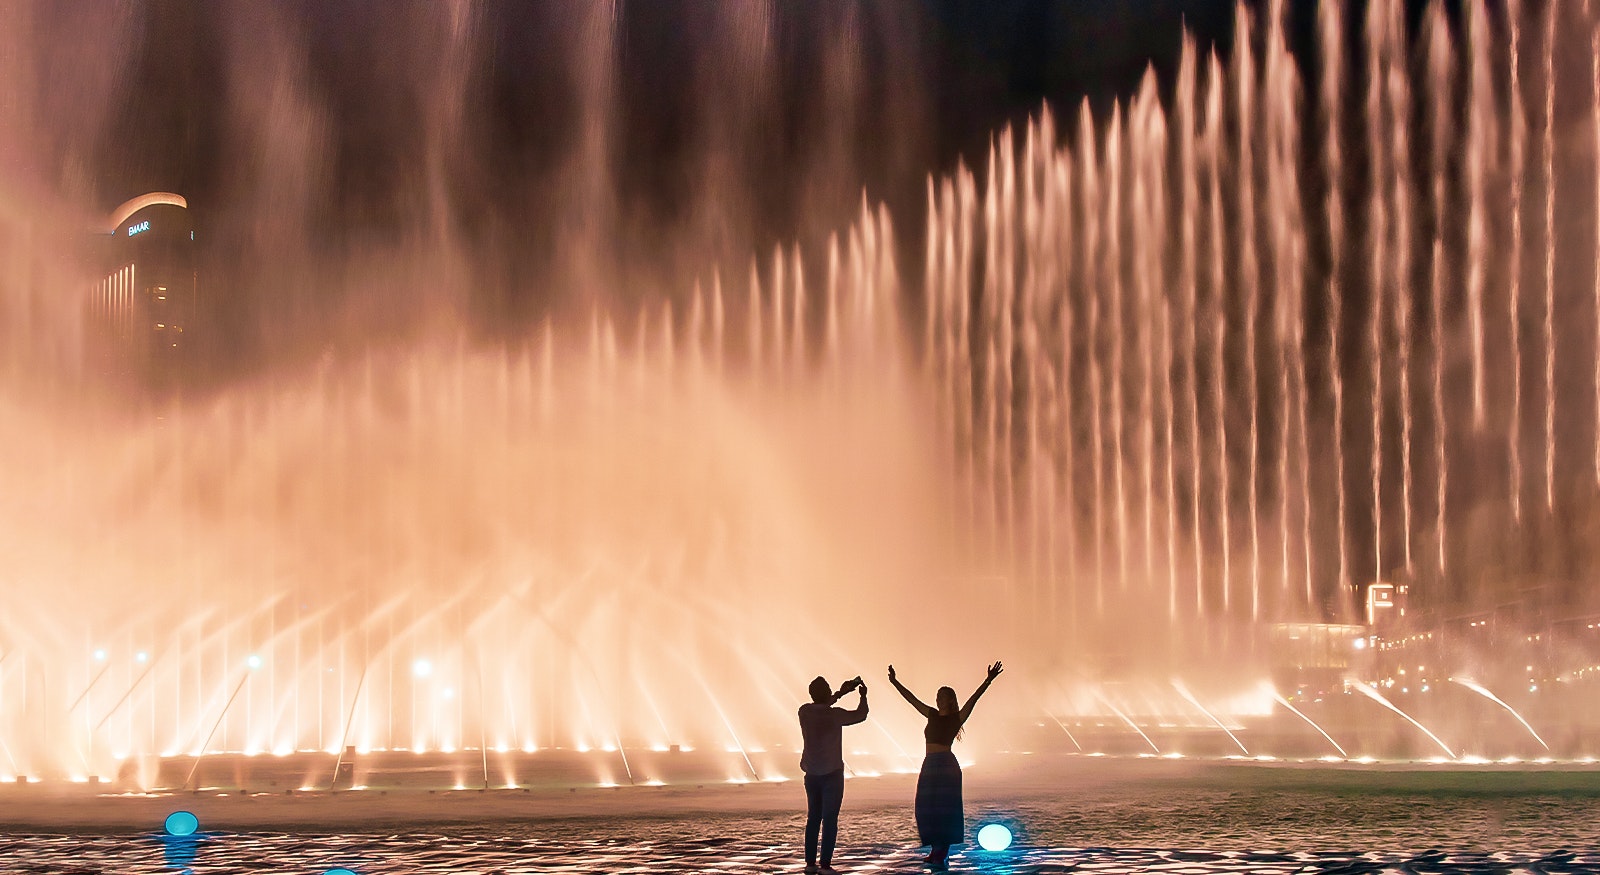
1371, 693
1296, 711
1482, 691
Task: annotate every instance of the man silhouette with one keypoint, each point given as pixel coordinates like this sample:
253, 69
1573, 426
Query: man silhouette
822, 761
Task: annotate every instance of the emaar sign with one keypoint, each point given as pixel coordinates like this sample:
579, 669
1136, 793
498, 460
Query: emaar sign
139, 228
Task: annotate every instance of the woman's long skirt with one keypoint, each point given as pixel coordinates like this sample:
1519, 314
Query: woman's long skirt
939, 814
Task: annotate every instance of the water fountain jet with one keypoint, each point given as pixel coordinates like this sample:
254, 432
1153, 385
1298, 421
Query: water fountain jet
1484, 692
1296, 712
1371, 693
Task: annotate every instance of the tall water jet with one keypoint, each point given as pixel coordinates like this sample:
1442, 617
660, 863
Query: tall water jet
1381, 45
1398, 94
1482, 135
1331, 54
1093, 272
1189, 174
1249, 277
1116, 133
1219, 317
1440, 77
1549, 149
1067, 401
1283, 149
1515, 159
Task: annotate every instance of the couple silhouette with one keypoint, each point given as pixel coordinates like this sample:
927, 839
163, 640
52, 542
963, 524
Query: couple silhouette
938, 805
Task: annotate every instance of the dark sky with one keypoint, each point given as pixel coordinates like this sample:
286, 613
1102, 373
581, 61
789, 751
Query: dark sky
935, 79
308, 130
975, 66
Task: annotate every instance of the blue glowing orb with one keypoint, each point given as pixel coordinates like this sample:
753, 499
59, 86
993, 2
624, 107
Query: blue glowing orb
994, 837
181, 823
340, 871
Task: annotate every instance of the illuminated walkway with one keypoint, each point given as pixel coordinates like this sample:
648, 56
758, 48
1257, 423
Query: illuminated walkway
406, 851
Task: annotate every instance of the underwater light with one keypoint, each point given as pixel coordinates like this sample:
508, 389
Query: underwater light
994, 837
181, 824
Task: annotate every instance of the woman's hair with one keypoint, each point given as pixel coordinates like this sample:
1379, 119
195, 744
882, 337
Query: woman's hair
955, 704
820, 691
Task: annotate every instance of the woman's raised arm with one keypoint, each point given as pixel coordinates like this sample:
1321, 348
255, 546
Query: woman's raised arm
916, 703
994, 672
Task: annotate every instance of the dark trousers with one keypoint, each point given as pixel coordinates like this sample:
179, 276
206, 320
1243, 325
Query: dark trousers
824, 795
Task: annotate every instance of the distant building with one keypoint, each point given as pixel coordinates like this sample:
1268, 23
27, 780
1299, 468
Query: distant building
138, 314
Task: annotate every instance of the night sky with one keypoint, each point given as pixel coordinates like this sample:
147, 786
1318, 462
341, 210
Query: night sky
195, 104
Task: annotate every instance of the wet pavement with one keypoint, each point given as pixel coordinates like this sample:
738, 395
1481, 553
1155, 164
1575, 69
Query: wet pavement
489, 854
1079, 817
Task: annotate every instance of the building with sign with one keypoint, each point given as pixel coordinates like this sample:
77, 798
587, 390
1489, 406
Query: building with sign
139, 312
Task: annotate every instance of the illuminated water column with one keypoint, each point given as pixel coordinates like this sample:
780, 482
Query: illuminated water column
1115, 137
1519, 125
1244, 76
1398, 98
1065, 423
1147, 148
1481, 147
1594, 79
1288, 240
1440, 77
1189, 312
1093, 273
1380, 45
1548, 144
1214, 146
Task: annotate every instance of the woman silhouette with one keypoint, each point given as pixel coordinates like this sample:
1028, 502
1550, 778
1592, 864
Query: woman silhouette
939, 815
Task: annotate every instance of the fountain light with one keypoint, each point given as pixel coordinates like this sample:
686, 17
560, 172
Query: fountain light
994, 837
100, 655
181, 824
253, 662
422, 668
141, 656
